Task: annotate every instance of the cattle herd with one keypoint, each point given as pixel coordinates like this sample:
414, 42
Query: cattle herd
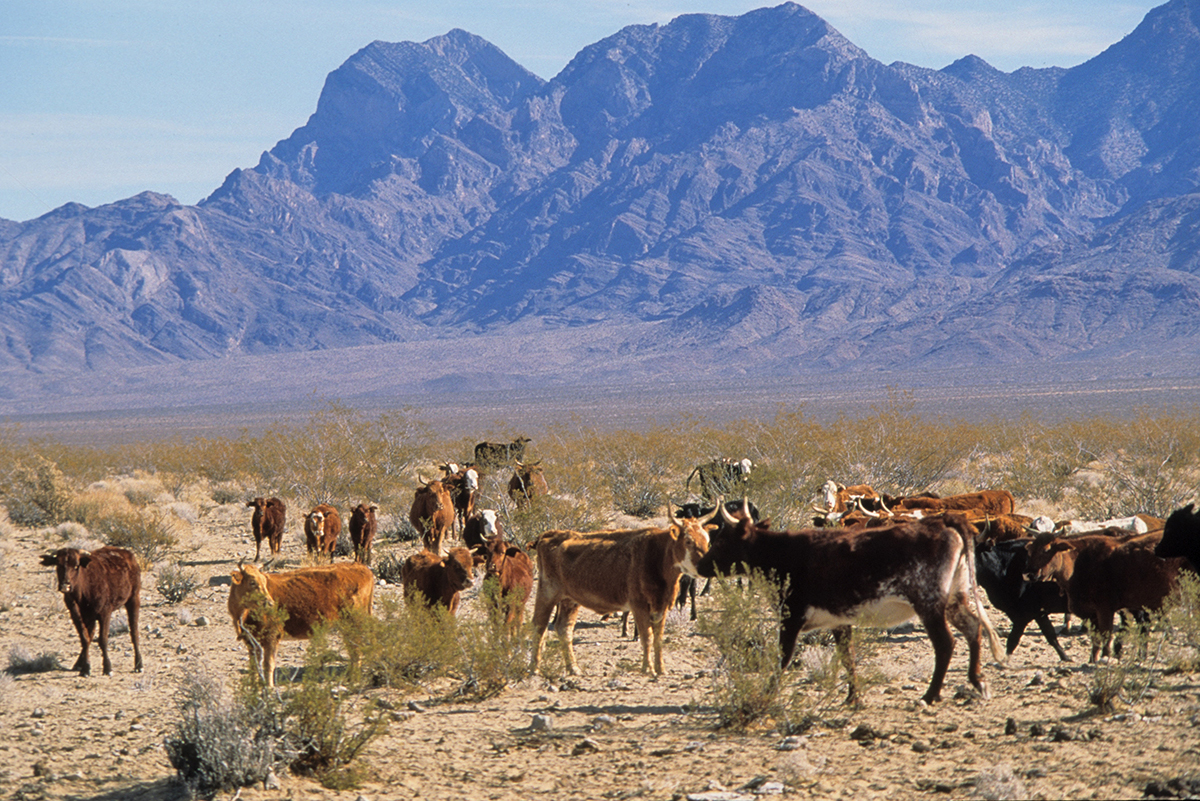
868, 559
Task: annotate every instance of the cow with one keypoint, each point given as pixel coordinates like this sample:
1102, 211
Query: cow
836, 578
1001, 528
1101, 574
433, 579
1181, 536
1000, 568
840, 499
322, 527
93, 586
612, 571
481, 526
269, 607
497, 454
992, 502
432, 513
512, 570
268, 522
722, 476
362, 531
463, 485
687, 584
527, 482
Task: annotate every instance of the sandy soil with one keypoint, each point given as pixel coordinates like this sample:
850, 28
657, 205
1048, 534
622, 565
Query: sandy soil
614, 733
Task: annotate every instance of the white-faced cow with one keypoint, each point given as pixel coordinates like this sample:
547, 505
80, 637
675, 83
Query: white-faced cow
362, 531
322, 527
720, 477
634, 570
269, 607
432, 514
93, 586
268, 522
481, 526
836, 578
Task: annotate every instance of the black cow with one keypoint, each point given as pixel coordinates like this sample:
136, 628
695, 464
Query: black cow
1000, 569
495, 454
1181, 536
835, 578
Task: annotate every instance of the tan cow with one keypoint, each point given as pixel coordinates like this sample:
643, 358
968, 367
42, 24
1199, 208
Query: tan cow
634, 570
270, 607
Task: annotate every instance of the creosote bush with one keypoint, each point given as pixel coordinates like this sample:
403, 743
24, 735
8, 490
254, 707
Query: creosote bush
175, 583
492, 654
37, 494
401, 645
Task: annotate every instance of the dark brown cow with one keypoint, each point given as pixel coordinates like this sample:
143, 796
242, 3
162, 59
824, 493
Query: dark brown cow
432, 513
835, 578
270, 607
498, 454
1101, 574
463, 485
480, 527
528, 482
93, 586
513, 571
268, 522
322, 527
613, 571
436, 579
362, 531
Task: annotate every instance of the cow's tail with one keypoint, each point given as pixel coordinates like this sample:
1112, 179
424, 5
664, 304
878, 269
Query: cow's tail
966, 534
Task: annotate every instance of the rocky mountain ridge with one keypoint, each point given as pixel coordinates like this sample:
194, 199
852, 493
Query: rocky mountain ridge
752, 188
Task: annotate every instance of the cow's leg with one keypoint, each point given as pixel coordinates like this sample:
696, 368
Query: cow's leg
658, 621
257, 547
132, 610
85, 629
1014, 636
1043, 621
789, 631
961, 614
943, 646
105, 662
843, 638
568, 613
544, 605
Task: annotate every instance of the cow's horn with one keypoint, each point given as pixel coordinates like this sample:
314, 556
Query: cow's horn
728, 518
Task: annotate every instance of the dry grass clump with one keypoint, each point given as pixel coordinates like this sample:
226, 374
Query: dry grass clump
22, 661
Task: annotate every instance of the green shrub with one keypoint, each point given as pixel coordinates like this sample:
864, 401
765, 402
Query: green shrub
1181, 617
37, 494
493, 654
402, 645
175, 584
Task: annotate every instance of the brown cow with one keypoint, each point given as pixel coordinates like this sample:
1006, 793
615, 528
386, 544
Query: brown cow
992, 502
481, 526
1103, 573
836, 578
322, 527
613, 571
93, 586
463, 485
438, 579
432, 513
840, 499
527, 482
269, 607
513, 570
268, 522
362, 531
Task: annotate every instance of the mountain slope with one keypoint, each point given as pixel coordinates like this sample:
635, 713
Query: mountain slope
753, 188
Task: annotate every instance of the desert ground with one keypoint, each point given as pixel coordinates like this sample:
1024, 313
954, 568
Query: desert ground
612, 733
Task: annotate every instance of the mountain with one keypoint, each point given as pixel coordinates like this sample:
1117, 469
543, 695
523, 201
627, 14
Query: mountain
753, 190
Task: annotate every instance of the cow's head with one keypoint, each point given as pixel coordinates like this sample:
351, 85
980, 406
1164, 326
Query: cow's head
730, 544
460, 568
472, 479
67, 563
1181, 535
257, 503
1045, 562
316, 519
691, 540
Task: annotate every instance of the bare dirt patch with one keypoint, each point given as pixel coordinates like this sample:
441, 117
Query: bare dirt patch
613, 733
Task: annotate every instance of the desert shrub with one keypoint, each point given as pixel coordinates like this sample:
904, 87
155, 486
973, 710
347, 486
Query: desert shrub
175, 584
223, 743
146, 533
1181, 617
396, 529
637, 490
401, 646
388, 566
37, 494
579, 512
227, 492
140, 491
748, 684
1030, 460
22, 661
493, 655
1129, 673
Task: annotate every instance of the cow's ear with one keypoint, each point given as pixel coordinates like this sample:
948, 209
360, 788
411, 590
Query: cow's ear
1060, 545
236, 576
84, 558
50, 559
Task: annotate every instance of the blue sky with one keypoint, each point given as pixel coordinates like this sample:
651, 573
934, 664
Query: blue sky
102, 99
